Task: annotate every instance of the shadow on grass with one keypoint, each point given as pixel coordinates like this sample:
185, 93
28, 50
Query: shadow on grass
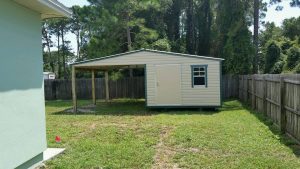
121, 107
283, 138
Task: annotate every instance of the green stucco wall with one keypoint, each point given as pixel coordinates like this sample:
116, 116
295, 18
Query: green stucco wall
22, 110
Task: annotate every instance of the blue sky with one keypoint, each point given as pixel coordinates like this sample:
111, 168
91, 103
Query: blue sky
272, 14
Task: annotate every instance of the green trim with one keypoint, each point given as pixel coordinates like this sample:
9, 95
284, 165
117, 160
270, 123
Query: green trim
148, 50
145, 75
221, 84
170, 107
192, 74
32, 163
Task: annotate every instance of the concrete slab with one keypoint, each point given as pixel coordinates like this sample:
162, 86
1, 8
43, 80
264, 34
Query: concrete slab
52, 152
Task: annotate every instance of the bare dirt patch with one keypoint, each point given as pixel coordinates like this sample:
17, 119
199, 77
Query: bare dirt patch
164, 154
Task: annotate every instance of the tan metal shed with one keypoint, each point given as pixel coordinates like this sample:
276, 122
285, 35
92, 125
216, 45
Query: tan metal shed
172, 79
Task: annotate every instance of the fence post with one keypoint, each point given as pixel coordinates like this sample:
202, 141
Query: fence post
253, 92
93, 87
282, 105
242, 88
265, 92
247, 89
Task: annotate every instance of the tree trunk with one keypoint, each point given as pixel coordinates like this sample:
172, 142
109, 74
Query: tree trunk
255, 36
58, 54
63, 52
190, 33
78, 44
204, 28
49, 50
129, 42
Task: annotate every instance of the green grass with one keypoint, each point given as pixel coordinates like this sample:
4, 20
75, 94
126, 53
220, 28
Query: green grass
124, 134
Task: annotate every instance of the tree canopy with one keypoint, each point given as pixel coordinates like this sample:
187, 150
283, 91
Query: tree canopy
216, 28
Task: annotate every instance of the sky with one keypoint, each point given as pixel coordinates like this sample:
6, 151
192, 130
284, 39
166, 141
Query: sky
271, 16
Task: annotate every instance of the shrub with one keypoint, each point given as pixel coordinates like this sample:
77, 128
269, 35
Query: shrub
297, 68
272, 56
293, 57
162, 44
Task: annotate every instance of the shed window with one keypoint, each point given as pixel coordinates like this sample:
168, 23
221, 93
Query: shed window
199, 75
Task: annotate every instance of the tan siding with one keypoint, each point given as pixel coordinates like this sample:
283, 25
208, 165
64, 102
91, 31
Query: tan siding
209, 96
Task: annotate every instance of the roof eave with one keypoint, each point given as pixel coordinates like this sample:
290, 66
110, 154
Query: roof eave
46, 8
56, 6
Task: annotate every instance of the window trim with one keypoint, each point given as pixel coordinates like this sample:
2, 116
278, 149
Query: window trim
192, 74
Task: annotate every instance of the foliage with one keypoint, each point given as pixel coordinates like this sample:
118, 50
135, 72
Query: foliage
202, 27
234, 39
297, 68
238, 58
162, 45
291, 28
280, 46
115, 75
293, 57
272, 56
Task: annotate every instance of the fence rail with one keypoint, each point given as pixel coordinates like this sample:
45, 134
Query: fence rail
122, 88
277, 96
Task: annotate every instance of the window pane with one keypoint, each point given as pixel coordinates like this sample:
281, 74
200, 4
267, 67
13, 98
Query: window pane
196, 68
196, 73
202, 69
202, 73
199, 80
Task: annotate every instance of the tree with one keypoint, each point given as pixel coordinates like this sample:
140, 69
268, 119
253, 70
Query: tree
234, 39
255, 36
204, 15
291, 28
272, 56
64, 28
47, 42
190, 28
172, 20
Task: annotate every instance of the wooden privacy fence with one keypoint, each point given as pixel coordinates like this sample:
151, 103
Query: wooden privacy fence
123, 88
230, 86
277, 96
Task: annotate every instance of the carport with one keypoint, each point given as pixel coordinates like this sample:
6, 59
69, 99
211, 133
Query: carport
94, 69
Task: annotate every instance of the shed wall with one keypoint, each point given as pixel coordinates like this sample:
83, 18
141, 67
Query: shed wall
22, 110
202, 96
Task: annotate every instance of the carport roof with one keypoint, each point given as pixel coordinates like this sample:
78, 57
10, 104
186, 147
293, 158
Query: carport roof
147, 50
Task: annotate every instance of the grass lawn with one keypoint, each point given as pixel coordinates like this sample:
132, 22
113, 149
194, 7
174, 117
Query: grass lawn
124, 134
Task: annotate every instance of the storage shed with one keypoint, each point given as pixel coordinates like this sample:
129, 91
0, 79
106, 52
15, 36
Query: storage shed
49, 75
172, 79
22, 105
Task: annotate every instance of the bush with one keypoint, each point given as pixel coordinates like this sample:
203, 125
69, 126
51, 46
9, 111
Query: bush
277, 68
272, 56
297, 68
162, 45
293, 57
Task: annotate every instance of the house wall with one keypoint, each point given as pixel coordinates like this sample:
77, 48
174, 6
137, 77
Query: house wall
22, 110
198, 96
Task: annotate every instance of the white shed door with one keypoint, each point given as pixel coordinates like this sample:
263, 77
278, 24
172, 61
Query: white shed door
168, 84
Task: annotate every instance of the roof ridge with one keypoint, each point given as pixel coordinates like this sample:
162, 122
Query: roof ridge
148, 50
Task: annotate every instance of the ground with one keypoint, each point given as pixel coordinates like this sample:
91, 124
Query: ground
124, 134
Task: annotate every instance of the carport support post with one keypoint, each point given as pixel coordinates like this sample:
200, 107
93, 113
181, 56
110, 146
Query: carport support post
93, 87
106, 86
74, 89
